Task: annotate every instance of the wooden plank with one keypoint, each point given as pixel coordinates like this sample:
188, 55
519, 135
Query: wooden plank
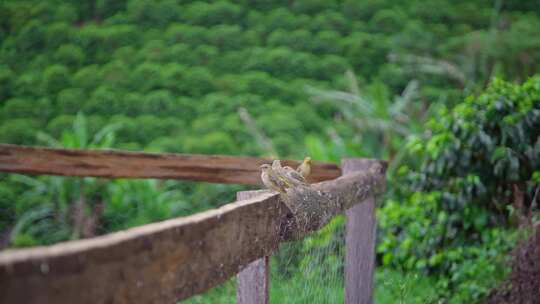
253, 281
167, 261
156, 263
124, 164
360, 233
360, 252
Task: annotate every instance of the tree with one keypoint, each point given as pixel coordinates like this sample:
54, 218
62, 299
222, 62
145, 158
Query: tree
160, 103
209, 14
71, 100
58, 34
6, 82
146, 77
186, 34
226, 37
18, 130
70, 55
87, 78
158, 13
31, 37
55, 78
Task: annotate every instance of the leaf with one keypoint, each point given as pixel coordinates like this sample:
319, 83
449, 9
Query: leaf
105, 137
48, 139
498, 169
514, 167
499, 153
80, 131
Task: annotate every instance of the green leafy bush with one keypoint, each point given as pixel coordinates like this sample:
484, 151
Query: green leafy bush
476, 171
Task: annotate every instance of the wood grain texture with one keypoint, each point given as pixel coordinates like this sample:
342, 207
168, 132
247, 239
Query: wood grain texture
155, 263
123, 164
360, 238
167, 261
253, 281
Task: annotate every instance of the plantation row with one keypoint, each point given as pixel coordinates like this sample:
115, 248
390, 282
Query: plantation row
329, 79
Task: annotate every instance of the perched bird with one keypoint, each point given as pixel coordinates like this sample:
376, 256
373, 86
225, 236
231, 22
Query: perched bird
295, 177
305, 167
271, 180
288, 175
280, 173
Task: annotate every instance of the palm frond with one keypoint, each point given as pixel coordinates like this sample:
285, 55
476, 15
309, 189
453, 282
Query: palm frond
48, 140
104, 138
80, 130
402, 101
362, 104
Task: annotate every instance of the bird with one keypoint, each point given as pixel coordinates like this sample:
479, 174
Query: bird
295, 177
305, 167
288, 175
280, 173
271, 180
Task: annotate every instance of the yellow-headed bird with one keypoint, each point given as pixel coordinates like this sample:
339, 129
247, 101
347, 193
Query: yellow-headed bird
305, 167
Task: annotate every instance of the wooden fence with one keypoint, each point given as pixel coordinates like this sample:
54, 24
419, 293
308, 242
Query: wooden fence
172, 260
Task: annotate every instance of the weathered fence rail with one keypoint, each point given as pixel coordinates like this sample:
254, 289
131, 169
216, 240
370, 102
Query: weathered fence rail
174, 259
124, 164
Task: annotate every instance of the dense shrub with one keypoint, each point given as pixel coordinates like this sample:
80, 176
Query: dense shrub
55, 78
477, 170
6, 80
70, 55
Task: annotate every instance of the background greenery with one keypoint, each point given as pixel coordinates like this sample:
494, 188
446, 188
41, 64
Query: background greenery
374, 78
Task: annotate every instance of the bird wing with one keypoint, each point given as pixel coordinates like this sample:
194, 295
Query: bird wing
295, 177
271, 182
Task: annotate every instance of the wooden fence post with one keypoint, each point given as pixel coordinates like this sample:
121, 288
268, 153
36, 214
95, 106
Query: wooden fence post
360, 242
253, 281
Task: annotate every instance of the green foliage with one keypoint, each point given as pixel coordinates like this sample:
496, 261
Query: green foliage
50, 208
55, 77
6, 76
478, 162
173, 75
113, 57
393, 286
69, 55
377, 119
135, 203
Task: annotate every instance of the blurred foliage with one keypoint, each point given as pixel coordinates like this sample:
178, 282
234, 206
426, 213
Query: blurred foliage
54, 209
468, 180
198, 62
284, 78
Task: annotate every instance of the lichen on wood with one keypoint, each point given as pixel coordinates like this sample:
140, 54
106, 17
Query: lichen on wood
314, 206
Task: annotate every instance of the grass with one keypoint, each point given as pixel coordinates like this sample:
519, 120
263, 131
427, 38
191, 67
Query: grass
390, 287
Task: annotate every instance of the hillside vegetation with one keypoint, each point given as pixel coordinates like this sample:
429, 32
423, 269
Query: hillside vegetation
181, 69
326, 78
